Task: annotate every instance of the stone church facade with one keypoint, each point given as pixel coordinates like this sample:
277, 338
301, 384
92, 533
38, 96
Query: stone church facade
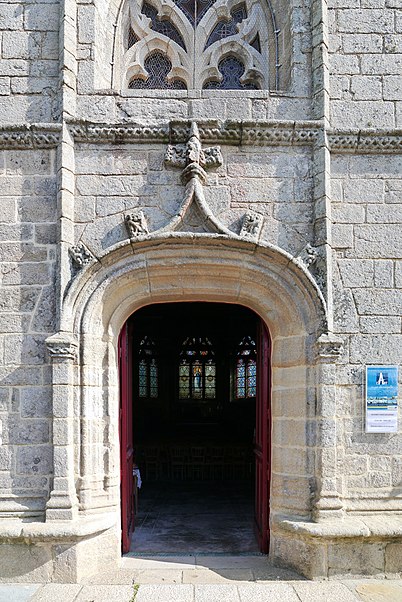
238, 152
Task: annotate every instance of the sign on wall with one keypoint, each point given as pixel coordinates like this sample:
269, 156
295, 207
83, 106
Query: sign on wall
381, 399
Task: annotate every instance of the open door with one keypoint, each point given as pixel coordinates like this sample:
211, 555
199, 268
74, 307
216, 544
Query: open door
262, 445
126, 438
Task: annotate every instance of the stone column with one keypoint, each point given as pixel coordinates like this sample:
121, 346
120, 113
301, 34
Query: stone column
62, 504
328, 504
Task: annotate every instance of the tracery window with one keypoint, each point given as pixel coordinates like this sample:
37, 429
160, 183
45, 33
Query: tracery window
197, 369
245, 378
200, 44
147, 369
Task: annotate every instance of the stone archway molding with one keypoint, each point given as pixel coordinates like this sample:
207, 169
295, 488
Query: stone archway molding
160, 268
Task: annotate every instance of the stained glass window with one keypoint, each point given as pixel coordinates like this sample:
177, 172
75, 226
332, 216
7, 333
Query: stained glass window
197, 369
157, 65
163, 26
245, 380
132, 38
231, 69
194, 10
147, 369
225, 28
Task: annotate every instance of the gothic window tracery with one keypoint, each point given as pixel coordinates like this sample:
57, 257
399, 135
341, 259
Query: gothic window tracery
147, 369
245, 378
197, 369
200, 44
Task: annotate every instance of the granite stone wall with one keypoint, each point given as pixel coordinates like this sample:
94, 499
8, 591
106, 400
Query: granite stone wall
318, 160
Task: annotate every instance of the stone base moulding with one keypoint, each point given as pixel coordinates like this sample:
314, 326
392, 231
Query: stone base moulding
58, 552
352, 547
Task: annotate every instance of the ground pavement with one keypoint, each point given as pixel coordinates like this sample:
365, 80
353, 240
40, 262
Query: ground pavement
204, 579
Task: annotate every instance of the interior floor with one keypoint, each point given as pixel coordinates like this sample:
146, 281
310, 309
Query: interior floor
195, 518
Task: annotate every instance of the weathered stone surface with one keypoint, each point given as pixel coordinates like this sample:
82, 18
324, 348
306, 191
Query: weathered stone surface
34, 459
25, 563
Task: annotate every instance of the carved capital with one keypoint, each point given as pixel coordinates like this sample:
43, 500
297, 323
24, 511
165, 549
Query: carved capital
80, 255
329, 347
252, 226
62, 346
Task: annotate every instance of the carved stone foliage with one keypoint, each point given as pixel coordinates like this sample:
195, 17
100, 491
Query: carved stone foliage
136, 224
252, 225
80, 255
175, 44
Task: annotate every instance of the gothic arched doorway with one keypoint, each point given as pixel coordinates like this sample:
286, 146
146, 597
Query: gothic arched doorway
195, 418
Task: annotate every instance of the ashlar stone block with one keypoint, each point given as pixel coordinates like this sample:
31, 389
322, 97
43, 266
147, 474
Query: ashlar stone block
37, 459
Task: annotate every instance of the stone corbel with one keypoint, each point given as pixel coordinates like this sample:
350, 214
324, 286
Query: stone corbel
80, 255
308, 255
136, 224
252, 226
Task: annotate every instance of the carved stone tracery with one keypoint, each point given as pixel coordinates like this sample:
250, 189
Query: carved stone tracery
195, 45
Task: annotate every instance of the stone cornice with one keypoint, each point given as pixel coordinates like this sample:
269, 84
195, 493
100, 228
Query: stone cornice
118, 133
29, 136
365, 141
260, 133
266, 133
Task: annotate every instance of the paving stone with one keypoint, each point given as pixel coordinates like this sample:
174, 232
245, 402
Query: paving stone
379, 592
165, 593
201, 576
105, 593
65, 592
116, 577
232, 562
314, 591
216, 593
157, 576
256, 592
163, 562
17, 593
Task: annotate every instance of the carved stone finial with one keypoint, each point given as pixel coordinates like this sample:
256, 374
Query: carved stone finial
194, 160
308, 255
136, 224
80, 255
252, 225
192, 154
329, 346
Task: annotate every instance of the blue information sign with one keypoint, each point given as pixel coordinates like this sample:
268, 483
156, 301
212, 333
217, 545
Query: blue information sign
381, 399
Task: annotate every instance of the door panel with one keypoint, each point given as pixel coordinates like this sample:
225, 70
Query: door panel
262, 443
126, 437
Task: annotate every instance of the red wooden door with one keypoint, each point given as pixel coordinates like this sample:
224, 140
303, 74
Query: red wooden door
126, 437
262, 444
